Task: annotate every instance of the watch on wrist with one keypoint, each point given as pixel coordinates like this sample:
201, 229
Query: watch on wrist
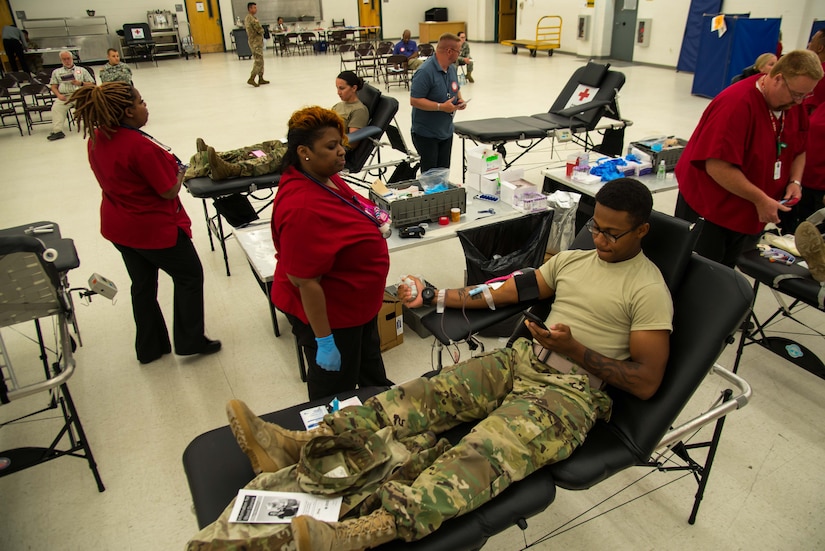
427, 296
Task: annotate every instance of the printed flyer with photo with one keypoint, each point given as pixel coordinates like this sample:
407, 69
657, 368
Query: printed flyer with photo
257, 506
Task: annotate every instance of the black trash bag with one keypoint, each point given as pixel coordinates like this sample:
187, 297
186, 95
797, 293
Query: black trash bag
236, 209
501, 248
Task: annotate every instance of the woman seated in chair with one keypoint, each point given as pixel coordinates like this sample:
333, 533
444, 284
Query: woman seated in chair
762, 66
355, 114
265, 158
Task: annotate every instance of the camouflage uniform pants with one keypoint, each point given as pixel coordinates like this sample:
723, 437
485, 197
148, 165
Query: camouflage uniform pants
257, 58
528, 416
250, 166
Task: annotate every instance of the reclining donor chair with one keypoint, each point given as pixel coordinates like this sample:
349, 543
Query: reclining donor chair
588, 102
234, 193
710, 302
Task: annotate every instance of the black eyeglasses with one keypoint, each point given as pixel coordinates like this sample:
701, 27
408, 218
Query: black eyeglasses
595, 230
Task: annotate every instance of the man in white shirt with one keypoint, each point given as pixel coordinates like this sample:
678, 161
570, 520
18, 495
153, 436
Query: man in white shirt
65, 80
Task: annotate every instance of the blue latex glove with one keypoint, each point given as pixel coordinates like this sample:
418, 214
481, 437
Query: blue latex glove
328, 357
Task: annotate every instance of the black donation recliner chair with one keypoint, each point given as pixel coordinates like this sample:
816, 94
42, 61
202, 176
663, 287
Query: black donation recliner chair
710, 302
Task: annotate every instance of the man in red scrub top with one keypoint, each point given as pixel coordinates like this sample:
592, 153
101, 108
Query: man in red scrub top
746, 155
817, 46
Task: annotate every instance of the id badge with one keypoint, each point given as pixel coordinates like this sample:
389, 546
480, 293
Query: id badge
777, 170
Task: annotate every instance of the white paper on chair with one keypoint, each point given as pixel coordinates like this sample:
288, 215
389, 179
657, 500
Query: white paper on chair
257, 506
583, 94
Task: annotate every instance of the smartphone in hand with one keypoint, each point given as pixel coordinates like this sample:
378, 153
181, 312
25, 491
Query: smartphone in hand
535, 319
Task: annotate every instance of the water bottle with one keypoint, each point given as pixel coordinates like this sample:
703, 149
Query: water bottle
660, 174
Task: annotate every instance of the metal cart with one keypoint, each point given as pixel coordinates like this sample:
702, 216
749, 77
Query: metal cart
548, 37
186, 43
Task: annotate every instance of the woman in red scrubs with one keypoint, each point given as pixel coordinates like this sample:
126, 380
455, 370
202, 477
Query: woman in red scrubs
143, 217
332, 258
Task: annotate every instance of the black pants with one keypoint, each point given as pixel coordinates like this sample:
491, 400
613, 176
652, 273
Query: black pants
434, 153
715, 242
361, 362
14, 49
182, 264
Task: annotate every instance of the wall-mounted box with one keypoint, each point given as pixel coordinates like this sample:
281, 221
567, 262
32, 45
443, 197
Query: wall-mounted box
643, 32
583, 28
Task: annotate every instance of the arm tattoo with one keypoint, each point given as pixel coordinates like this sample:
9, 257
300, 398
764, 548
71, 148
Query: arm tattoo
622, 374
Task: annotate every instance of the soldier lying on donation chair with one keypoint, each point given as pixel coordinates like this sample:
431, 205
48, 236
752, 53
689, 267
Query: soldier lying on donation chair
533, 404
253, 160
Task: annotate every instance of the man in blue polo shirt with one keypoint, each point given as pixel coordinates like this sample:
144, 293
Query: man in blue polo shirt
435, 97
408, 48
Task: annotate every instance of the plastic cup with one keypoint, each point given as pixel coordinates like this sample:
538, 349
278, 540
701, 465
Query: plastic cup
455, 215
572, 161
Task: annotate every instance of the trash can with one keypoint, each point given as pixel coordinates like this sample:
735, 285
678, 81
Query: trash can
503, 247
241, 43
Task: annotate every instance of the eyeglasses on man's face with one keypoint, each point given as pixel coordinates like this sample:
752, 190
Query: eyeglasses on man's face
449, 50
596, 230
796, 96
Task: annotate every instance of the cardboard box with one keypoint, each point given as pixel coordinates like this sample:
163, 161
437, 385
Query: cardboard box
390, 322
513, 185
412, 316
486, 184
483, 160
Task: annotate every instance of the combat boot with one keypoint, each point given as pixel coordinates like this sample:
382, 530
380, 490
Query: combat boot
348, 535
812, 248
220, 169
270, 448
200, 145
252, 81
261, 80
470, 76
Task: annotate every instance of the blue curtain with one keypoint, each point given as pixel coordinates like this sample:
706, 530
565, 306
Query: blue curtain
818, 24
722, 58
693, 29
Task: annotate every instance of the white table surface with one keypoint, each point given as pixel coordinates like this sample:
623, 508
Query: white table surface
559, 175
256, 239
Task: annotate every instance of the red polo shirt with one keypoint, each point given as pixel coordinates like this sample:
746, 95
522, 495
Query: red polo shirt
133, 171
738, 127
318, 233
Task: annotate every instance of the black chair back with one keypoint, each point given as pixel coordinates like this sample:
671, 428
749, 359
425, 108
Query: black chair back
597, 76
137, 33
382, 110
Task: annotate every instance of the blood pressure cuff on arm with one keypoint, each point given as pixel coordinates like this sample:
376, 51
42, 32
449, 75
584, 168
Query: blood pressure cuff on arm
526, 285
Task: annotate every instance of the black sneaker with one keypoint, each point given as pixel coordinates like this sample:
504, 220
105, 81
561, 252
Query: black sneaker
56, 136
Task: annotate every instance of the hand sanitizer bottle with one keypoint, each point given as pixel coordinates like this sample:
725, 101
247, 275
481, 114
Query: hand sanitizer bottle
660, 174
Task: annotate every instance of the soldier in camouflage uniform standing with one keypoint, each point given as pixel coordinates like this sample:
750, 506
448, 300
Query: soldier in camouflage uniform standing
534, 403
255, 35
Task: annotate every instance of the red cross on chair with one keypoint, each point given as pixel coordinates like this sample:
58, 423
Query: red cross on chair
584, 94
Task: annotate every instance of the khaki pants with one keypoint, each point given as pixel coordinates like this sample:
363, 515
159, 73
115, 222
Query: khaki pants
60, 112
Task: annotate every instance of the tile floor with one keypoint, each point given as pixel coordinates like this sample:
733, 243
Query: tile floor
767, 482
